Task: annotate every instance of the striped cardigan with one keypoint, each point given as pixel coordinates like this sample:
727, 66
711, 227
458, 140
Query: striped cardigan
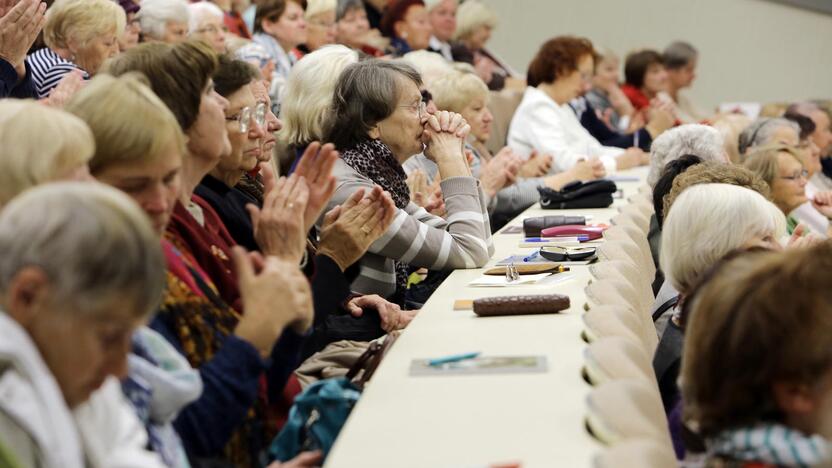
416, 237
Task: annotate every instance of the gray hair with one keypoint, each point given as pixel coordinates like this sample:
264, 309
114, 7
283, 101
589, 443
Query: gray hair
694, 236
155, 14
698, 140
346, 6
761, 132
367, 93
92, 241
678, 54
198, 10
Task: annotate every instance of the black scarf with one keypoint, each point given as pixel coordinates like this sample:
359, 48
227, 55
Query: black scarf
373, 159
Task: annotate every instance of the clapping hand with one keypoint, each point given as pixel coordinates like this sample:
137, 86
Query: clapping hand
20, 25
316, 166
350, 228
279, 227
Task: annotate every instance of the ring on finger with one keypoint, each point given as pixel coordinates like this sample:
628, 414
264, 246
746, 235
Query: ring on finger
290, 205
365, 229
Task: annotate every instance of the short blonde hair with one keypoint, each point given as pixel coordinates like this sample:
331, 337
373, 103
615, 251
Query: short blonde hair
694, 236
129, 122
764, 162
306, 103
453, 92
471, 16
316, 7
81, 21
31, 159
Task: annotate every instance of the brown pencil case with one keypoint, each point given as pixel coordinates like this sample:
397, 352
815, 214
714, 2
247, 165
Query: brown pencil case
521, 305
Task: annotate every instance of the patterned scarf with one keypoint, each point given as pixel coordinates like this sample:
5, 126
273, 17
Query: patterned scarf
201, 321
772, 443
373, 159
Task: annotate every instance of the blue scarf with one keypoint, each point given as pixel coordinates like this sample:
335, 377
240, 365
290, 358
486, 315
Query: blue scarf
772, 443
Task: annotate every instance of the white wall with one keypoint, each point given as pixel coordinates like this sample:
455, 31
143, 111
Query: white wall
750, 50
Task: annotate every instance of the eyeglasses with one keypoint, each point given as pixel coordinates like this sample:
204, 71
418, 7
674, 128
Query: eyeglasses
421, 108
321, 24
804, 174
244, 118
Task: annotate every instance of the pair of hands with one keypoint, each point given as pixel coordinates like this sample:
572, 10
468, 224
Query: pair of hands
537, 165
632, 157
500, 172
20, 25
392, 316
427, 195
444, 136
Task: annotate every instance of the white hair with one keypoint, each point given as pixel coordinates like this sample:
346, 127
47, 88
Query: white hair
199, 10
471, 16
155, 14
709, 220
92, 241
307, 97
696, 139
430, 65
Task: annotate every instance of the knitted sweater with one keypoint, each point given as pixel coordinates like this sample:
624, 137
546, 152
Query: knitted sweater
463, 240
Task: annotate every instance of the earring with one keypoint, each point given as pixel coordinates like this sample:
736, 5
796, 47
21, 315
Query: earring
404, 35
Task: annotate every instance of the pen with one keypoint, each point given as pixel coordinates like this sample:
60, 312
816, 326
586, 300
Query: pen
452, 358
531, 257
580, 237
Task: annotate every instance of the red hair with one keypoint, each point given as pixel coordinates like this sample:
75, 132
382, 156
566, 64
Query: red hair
558, 57
396, 11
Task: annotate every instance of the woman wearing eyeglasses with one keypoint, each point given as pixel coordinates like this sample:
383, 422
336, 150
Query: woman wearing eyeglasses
244, 124
206, 24
379, 120
782, 168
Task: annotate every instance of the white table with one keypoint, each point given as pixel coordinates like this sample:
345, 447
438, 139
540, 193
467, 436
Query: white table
536, 420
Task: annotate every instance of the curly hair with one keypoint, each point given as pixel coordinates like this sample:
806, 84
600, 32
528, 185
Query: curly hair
711, 172
558, 57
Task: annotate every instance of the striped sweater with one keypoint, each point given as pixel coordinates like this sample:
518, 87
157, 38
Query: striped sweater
416, 237
48, 68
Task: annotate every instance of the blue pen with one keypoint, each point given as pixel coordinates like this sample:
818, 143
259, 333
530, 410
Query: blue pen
452, 358
543, 240
531, 257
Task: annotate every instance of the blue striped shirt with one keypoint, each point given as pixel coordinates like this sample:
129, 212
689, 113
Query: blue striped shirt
48, 68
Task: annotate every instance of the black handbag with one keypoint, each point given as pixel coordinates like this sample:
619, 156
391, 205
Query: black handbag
577, 195
533, 226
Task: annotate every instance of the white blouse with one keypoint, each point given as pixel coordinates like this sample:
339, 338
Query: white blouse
542, 124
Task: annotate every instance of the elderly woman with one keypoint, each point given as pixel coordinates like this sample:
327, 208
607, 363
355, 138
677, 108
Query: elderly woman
353, 29
544, 122
645, 78
379, 121
606, 96
757, 372
407, 25
164, 21
79, 35
442, 15
679, 59
320, 20
233, 351
279, 27
205, 24
781, 166
475, 21
308, 99
465, 93
31, 160
768, 131
695, 139
130, 37
67, 312
694, 240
